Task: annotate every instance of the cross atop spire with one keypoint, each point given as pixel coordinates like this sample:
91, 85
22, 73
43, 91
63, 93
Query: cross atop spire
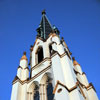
43, 12
45, 27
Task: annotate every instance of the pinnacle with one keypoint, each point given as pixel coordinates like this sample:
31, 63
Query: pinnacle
24, 56
75, 62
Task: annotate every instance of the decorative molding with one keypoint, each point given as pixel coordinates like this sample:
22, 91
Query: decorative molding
90, 85
29, 80
45, 59
26, 68
41, 39
41, 72
53, 43
74, 87
48, 59
82, 92
16, 79
51, 34
19, 67
69, 90
62, 55
22, 68
25, 81
76, 72
68, 54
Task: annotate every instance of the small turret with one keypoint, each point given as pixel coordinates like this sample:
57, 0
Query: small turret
77, 66
81, 75
23, 70
24, 61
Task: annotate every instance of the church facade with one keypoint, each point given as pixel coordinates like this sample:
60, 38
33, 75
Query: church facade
54, 73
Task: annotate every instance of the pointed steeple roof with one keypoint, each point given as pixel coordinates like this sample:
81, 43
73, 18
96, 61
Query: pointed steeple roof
45, 27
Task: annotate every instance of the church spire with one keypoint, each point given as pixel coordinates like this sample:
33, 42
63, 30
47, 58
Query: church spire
45, 27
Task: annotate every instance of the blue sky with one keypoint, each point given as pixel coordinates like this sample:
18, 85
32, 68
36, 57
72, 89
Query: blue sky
77, 20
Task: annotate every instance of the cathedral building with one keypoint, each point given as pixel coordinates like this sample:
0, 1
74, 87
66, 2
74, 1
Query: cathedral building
54, 74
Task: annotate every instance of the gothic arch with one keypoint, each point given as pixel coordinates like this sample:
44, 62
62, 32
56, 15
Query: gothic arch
33, 91
47, 76
46, 86
39, 55
32, 86
50, 49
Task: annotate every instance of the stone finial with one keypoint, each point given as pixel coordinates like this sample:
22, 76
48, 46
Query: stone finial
24, 56
24, 53
75, 62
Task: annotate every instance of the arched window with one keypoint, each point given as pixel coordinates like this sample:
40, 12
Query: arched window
36, 94
39, 55
50, 49
50, 94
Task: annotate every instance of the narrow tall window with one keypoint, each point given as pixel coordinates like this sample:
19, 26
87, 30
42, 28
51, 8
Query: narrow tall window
39, 55
50, 49
50, 94
36, 95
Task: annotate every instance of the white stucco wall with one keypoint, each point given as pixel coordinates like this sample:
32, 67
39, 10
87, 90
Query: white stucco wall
23, 63
59, 68
16, 91
92, 94
63, 95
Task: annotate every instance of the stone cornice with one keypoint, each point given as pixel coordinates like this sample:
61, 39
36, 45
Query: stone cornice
48, 59
19, 67
41, 72
90, 85
26, 68
76, 72
45, 59
82, 91
22, 68
29, 80
16, 79
69, 90
62, 55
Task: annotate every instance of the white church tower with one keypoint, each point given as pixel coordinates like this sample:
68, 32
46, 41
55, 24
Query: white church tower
54, 74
